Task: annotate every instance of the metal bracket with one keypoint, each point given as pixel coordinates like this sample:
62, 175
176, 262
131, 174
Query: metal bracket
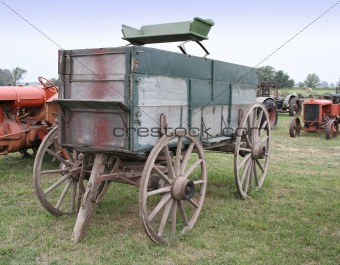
182, 47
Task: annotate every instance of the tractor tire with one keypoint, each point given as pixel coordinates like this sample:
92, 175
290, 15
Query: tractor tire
295, 107
272, 111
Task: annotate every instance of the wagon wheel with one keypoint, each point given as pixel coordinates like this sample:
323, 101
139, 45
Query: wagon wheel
332, 129
55, 176
252, 148
171, 207
294, 127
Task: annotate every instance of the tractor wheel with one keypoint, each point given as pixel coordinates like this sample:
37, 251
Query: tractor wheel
295, 127
332, 129
272, 111
295, 107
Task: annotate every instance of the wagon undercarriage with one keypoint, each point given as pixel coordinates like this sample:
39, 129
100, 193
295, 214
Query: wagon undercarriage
172, 180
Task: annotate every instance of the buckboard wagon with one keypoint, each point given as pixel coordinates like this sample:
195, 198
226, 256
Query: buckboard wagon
144, 116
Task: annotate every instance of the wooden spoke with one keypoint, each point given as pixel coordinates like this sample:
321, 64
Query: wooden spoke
195, 204
183, 214
57, 183
192, 168
255, 175
264, 126
259, 118
63, 194
260, 166
173, 219
244, 160
61, 171
165, 217
186, 158
159, 206
178, 156
159, 191
162, 175
169, 162
245, 171
58, 157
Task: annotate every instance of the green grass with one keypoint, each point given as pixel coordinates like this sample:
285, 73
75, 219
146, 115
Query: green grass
293, 219
317, 92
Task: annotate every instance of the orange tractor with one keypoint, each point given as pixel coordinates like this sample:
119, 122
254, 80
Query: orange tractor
27, 114
319, 115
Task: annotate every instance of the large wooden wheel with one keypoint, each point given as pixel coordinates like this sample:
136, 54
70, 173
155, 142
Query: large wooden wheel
55, 176
173, 187
252, 148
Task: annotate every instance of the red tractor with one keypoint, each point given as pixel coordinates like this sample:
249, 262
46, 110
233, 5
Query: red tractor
319, 115
27, 113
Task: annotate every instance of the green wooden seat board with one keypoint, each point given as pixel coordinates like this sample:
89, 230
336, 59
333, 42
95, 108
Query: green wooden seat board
195, 30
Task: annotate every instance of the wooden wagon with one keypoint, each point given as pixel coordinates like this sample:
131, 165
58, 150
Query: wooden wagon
144, 116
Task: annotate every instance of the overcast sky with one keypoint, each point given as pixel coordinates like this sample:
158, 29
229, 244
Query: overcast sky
245, 32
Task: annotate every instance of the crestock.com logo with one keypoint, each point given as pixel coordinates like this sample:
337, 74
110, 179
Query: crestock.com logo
169, 131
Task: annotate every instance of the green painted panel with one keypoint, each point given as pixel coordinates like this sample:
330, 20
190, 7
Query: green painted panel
200, 93
158, 62
234, 73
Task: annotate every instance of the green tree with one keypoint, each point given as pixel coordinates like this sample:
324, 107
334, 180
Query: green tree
283, 80
5, 77
17, 74
266, 73
312, 80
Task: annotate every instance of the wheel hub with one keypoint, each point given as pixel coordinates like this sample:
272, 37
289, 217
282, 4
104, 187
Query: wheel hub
75, 169
258, 151
182, 189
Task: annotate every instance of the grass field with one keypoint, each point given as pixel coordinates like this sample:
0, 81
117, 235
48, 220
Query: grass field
293, 219
317, 92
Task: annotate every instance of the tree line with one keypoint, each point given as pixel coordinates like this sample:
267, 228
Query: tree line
269, 74
12, 77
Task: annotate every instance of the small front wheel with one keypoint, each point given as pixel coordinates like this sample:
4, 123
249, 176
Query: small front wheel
295, 127
332, 129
